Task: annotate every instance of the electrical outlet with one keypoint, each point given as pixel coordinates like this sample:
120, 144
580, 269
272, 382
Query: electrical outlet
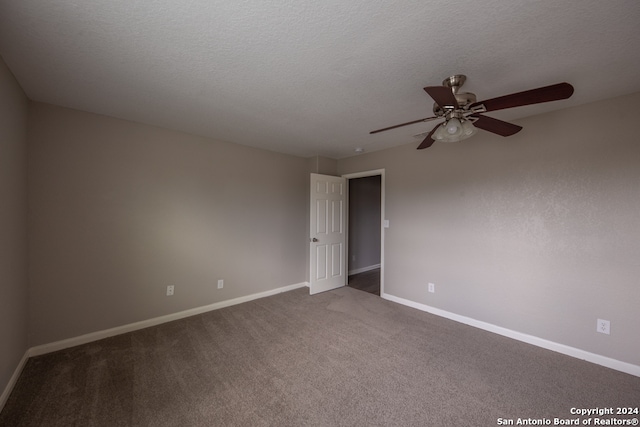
170, 290
603, 326
220, 284
432, 287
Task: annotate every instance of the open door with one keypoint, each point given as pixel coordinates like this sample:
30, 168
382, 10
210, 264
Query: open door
328, 237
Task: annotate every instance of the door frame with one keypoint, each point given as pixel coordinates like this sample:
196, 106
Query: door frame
383, 220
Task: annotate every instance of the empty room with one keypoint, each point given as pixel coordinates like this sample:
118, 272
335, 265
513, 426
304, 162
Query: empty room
218, 213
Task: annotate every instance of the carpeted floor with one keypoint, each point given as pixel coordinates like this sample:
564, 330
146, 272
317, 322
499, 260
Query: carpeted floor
340, 358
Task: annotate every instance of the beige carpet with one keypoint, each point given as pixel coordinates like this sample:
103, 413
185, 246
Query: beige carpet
341, 358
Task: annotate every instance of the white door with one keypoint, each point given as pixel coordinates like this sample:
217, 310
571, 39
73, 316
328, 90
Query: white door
328, 235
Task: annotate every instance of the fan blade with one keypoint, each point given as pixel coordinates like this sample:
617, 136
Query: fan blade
534, 96
443, 96
404, 124
428, 141
496, 126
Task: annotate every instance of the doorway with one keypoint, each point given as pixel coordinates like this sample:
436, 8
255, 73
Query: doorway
365, 240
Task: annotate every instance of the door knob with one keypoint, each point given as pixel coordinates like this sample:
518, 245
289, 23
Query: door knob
314, 240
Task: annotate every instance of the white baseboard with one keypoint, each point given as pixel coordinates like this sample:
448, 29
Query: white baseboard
530, 339
13, 380
363, 269
95, 336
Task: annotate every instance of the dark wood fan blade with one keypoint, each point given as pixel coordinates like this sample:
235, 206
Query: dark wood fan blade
442, 95
404, 124
428, 141
496, 126
528, 97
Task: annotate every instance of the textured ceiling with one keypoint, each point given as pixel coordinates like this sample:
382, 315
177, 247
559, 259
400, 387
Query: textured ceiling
310, 77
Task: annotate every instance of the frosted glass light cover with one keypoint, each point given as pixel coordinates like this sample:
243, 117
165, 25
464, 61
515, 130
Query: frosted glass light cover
454, 130
468, 129
454, 127
440, 134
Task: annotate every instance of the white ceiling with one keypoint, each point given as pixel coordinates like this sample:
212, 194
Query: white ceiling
312, 77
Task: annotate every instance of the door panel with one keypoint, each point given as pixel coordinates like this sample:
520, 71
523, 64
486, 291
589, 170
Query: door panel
328, 237
337, 212
336, 262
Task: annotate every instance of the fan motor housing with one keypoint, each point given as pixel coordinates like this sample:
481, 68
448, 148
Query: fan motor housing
464, 100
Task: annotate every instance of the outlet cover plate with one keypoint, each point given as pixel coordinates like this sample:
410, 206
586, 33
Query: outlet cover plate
170, 290
432, 287
603, 326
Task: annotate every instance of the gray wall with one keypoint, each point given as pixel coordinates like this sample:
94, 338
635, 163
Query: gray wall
538, 233
323, 165
364, 222
121, 210
13, 231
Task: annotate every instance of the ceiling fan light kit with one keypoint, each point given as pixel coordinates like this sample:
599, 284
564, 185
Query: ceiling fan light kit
463, 114
454, 130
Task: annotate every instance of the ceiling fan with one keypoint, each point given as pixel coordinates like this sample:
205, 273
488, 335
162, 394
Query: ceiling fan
463, 114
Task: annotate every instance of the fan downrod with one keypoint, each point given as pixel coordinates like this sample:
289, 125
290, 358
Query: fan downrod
455, 82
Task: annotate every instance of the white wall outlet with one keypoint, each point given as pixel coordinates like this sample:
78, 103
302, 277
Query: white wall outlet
386, 223
432, 287
220, 284
170, 290
603, 326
